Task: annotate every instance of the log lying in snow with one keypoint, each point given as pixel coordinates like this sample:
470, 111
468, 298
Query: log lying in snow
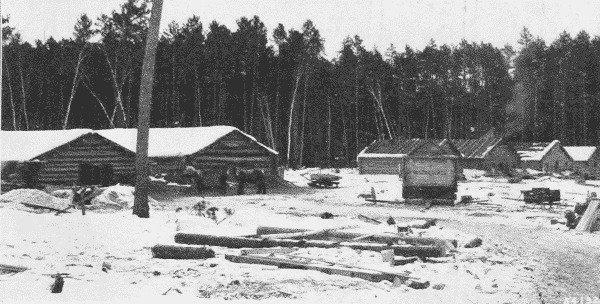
366, 274
12, 268
382, 238
589, 220
305, 234
182, 252
242, 242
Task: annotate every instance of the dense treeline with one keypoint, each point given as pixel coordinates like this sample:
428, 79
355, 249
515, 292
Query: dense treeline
282, 90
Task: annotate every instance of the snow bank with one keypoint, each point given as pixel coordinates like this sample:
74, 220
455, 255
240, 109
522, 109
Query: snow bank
14, 199
114, 197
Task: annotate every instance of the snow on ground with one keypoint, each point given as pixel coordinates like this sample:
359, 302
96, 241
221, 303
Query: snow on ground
78, 245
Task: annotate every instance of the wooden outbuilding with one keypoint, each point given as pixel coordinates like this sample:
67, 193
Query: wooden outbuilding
487, 152
586, 160
384, 156
86, 158
545, 156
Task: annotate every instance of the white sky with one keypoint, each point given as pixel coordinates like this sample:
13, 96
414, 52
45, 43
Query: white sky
378, 22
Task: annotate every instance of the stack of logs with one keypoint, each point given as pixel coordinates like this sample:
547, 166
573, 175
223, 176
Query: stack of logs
396, 249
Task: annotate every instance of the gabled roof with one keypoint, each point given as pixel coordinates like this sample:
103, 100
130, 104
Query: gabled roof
399, 147
173, 142
535, 151
480, 147
580, 153
26, 145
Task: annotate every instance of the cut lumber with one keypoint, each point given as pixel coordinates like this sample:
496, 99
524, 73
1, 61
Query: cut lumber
241, 242
368, 220
305, 234
267, 251
347, 235
36, 206
440, 259
182, 252
366, 274
589, 220
398, 261
362, 237
12, 268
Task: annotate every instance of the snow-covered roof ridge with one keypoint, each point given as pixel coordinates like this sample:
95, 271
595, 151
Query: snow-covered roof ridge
580, 153
174, 142
27, 145
536, 151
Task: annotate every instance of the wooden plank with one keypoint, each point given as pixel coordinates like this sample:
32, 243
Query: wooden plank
40, 206
305, 234
373, 276
267, 251
368, 220
588, 221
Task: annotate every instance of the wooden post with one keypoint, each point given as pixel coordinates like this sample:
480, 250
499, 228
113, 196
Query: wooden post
140, 205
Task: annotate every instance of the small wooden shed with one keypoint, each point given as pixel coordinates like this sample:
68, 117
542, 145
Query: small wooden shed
384, 156
545, 156
487, 152
586, 160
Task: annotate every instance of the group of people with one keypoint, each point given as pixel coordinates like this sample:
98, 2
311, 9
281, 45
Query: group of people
241, 177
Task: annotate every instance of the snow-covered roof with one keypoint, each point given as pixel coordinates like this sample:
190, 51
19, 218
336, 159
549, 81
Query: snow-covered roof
534, 151
402, 147
580, 153
173, 142
26, 145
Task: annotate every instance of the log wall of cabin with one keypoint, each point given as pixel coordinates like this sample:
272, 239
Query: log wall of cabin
233, 149
62, 163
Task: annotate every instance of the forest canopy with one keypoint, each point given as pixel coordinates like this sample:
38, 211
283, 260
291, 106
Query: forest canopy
282, 90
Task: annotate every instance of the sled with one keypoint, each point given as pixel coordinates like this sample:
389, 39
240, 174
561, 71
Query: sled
323, 180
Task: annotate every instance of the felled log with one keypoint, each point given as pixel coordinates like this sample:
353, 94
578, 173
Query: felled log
589, 220
347, 235
267, 251
12, 268
305, 234
355, 272
242, 242
182, 252
368, 220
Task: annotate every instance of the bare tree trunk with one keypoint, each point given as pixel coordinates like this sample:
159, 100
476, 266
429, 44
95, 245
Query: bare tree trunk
112, 125
292, 115
356, 112
379, 103
117, 88
245, 101
253, 98
23, 94
345, 134
10, 92
427, 121
276, 143
329, 131
303, 120
197, 104
74, 87
270, 122
140, 206
215, 103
